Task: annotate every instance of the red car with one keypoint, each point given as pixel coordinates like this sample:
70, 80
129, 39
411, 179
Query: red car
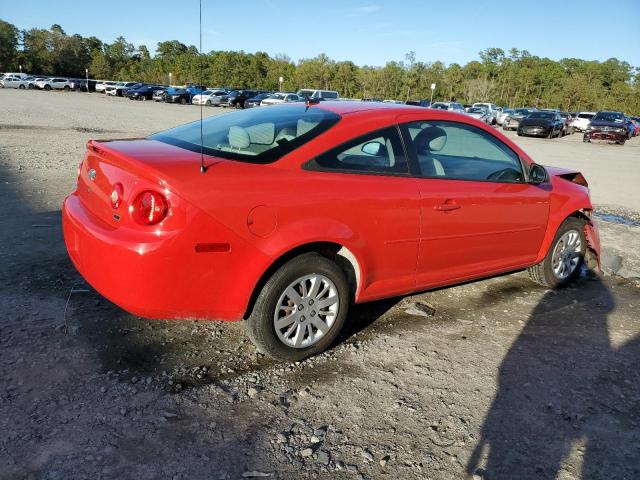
302, 210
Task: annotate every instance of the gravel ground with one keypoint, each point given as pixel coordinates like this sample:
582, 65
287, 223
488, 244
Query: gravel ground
498, 379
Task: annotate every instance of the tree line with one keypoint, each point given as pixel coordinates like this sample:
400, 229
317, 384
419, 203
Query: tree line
514, 78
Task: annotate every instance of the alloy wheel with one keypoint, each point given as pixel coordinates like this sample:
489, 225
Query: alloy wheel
566, 254
306, 311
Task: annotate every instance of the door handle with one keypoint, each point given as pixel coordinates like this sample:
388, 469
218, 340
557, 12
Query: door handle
446, 207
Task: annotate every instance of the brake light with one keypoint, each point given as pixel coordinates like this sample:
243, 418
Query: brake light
149, 208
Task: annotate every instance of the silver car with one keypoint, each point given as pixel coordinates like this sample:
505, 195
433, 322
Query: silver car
481, 113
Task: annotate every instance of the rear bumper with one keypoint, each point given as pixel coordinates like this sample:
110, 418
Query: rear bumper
160, 277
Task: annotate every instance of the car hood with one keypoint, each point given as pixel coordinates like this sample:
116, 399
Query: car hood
535, 121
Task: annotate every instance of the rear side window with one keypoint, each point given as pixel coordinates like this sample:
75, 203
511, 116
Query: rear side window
256, 135
377, 152
462, 152
330, 95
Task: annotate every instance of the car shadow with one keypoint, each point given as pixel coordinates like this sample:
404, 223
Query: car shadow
557, 391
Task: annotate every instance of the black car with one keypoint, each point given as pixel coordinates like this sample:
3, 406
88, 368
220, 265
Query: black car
80, 85
607, 126
416, 103
255, 101
177, 95
238, 97
542, 124
142, 93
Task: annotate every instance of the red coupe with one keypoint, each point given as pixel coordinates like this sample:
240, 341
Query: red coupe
301, 210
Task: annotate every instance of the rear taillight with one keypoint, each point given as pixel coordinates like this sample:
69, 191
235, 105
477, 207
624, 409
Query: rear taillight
116, 195
149, 208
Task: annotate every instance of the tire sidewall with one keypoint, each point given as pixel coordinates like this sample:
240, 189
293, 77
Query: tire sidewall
569, 224
260, 322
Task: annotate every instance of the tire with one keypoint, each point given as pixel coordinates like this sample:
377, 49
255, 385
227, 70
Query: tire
21, 87
183, 101
543, 273
550, 135
585, 139
66, 88
260, 324
47, 87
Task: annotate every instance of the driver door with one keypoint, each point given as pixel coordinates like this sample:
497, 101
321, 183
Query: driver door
478, 215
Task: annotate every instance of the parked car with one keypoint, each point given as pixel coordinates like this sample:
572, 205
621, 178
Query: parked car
481, 113
255, 101
122, 92
581, 122
415, 103
219, 100
55, 83
102, 86
568, 123
144, 92
607, 126
451, 106
238, 97
31, 81
120, 88
504, 113
177, 95
159, 94
207, 97
542, 124
280, 97
80, 85
491, 107
512, 120
636, 123
151, 233
15, 74
631, 129
14, 82
318, 94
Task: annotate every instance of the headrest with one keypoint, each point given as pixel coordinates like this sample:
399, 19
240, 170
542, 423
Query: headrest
238, 137
431, 139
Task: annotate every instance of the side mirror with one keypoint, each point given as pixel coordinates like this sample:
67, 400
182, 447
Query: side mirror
372, 148
537, 174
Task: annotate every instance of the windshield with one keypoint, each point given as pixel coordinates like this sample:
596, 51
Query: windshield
588, 116
545, 115
278, 96
522, 111
609, 117
257, 135
440, 106
476, 110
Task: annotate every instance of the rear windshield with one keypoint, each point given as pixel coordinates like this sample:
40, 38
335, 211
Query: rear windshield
609, 117
257, 135
542, 115
588, 116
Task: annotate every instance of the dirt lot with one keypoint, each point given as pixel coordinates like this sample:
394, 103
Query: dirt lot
500, 380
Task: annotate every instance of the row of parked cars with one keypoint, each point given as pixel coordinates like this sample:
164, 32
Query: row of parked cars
605, 125
211, 97
550, 123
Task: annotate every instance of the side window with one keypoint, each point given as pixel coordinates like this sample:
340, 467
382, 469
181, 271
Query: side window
462, 152
376, 152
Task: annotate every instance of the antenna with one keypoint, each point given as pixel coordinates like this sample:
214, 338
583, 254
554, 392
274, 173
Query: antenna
202, 166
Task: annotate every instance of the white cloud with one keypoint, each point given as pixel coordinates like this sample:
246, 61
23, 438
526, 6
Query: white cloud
362, 11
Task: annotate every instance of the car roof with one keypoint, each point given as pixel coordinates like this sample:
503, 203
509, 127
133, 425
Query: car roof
346, 107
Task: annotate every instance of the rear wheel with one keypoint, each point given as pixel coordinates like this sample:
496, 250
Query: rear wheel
47, 87
21, 87
564, 258
300, 310
183, 101
67, 88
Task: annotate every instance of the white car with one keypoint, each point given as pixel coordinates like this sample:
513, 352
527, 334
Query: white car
102, 86
318, 94
280, 97
504, 113
450, 106
55, 83
582, 120
492, 108
207, 97
14, 82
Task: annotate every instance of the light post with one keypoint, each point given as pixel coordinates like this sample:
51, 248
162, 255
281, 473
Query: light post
170, 78
280, 81
86, 72
433, 87
20, 69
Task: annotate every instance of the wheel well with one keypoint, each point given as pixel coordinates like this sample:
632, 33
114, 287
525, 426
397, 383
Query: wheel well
343, 257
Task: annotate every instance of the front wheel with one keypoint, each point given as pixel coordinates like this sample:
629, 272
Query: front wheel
564, 258
300, 310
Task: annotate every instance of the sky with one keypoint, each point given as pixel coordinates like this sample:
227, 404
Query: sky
366, 32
